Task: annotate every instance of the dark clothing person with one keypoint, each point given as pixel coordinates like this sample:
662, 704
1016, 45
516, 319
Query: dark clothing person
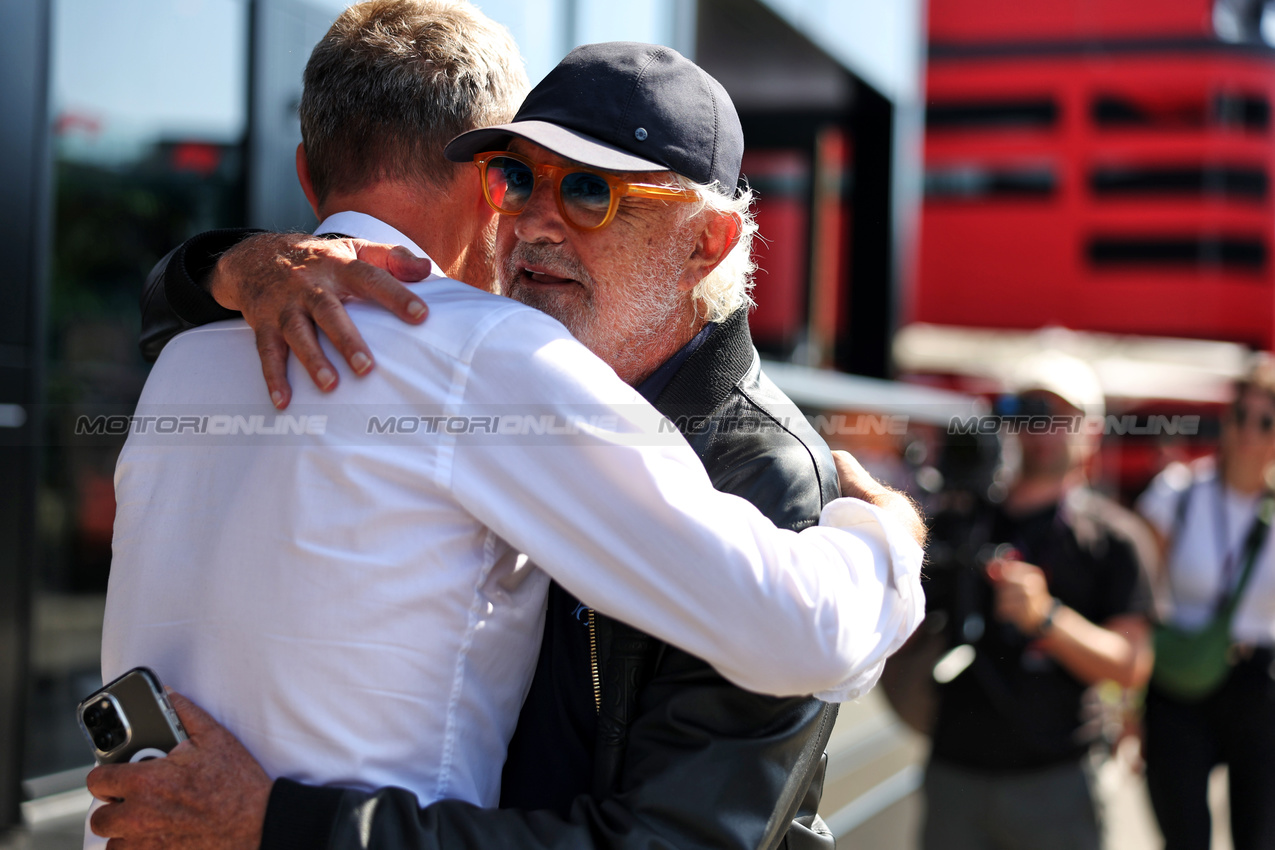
1015, 708
1009, 735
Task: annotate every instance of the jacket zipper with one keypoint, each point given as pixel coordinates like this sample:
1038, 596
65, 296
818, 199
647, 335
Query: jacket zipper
593, 663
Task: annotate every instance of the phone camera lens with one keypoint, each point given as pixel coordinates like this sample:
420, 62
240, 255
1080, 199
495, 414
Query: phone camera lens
92, 716
104, 741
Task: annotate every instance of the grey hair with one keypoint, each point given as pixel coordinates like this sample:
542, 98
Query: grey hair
728, 287
394, 81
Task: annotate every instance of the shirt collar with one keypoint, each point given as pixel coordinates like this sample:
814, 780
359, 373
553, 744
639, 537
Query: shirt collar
655, 383
363, 226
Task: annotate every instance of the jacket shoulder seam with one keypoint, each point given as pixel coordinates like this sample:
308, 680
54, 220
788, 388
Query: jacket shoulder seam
814, 462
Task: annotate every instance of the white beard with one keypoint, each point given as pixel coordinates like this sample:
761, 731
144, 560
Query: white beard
623, 326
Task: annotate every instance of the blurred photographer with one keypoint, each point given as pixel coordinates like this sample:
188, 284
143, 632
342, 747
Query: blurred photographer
1043, 596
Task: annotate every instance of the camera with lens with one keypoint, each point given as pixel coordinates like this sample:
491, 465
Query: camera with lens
130, 719
961, 542
107, 728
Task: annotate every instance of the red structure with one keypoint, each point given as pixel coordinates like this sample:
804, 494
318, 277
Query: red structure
1100, 164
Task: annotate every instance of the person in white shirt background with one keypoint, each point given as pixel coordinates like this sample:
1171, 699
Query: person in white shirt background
1203, 514
355, 608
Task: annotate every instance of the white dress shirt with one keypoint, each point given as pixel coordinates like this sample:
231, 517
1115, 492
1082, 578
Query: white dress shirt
1212, 532
340, 584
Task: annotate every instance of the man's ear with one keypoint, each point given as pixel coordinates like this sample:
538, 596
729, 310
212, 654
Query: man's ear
307, 185
718, 236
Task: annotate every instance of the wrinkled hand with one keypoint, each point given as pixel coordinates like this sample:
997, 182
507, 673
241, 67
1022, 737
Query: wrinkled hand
1022, 594
857, 483
209, 793
287, 283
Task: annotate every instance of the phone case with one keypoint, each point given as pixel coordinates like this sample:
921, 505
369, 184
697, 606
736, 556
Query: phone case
130, 719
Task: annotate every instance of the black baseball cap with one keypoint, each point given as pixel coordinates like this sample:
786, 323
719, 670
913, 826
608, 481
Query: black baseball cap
626, 106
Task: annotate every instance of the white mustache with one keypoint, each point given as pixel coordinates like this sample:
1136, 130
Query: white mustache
548, 259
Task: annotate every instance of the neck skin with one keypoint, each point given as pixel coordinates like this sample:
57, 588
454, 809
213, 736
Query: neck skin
659, 348
453, 225
1246, 479
444, 227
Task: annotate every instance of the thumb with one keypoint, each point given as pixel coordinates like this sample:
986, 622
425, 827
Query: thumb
197, 721
406, 266
996, 570
395, 259
847, 465
854, 479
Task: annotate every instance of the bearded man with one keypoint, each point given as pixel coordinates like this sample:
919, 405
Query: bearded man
624, 740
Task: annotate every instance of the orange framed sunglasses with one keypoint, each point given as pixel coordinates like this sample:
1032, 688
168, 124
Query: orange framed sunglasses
587, 199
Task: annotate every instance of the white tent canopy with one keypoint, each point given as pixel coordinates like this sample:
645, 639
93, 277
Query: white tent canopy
821, 389
1129, 367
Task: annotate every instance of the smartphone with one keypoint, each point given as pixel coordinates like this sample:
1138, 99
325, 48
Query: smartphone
130, 719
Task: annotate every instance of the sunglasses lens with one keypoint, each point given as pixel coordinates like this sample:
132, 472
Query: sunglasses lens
509, 183
586, 197
1037, 406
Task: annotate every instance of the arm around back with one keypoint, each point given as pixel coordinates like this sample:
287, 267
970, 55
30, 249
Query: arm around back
175, 295
700, 569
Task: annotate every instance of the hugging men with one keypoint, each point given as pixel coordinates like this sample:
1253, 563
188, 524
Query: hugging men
670, 702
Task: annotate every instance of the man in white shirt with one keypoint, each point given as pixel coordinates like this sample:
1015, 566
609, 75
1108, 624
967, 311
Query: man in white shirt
466, 502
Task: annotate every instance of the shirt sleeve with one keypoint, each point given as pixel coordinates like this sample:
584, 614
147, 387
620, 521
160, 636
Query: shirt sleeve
1126, 591
175, 297
603, 494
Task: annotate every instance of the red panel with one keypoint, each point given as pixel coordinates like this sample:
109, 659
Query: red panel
831, 249
1023, 262
989, 21
1003, 266
197, 157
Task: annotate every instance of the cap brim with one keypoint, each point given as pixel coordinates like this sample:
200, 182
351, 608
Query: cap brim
583, 149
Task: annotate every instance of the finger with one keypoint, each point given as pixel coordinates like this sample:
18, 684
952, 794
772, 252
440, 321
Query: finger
855, 481
995, 570
847, 464
117, 822
372, 283
408, 267
1020, 571
96, 822
101, 820
329, 314
272, 348
195, 719
395, 259
140, 843
1012, 570
106, 783
300, 335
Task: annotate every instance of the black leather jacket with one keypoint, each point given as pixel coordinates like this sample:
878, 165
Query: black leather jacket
683, 758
